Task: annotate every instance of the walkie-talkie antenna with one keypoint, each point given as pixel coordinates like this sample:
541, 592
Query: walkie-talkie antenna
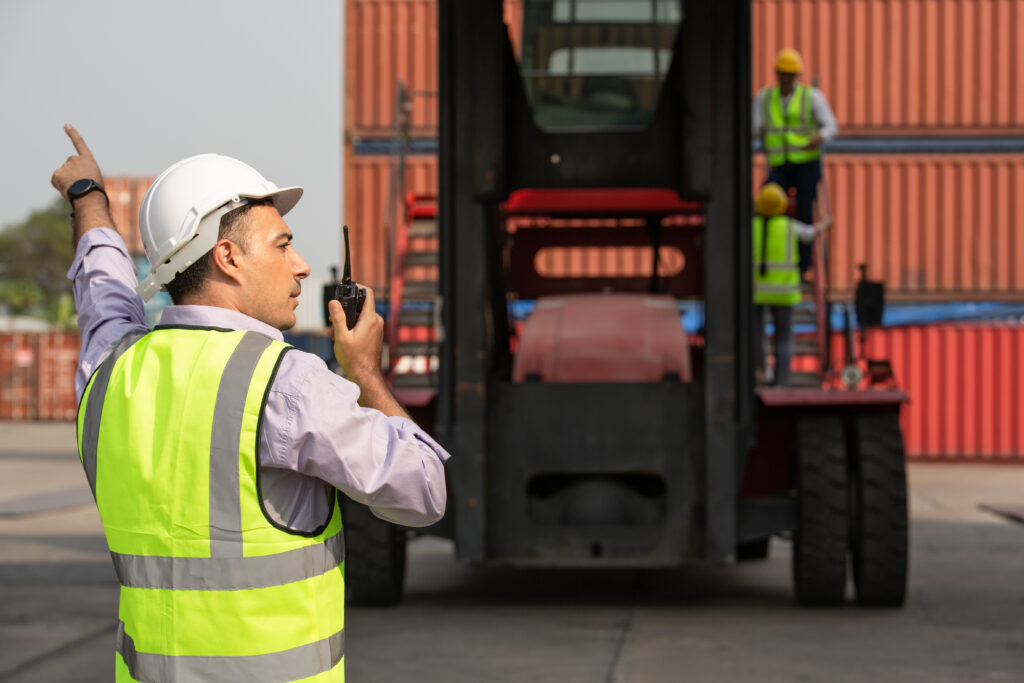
347, 292
346, 273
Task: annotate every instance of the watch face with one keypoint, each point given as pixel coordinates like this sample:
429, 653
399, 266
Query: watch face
80, 187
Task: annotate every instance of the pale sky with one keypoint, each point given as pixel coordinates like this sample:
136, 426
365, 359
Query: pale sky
148, 83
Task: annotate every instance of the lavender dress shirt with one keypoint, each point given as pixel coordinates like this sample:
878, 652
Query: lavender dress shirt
314, 434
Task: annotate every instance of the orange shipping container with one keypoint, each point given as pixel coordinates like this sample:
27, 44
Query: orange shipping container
387, 41
392, 41
903, 67
930, 226
366, 193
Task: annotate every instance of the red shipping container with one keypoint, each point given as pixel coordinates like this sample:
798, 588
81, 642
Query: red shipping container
965, 383
37, 375
966, 386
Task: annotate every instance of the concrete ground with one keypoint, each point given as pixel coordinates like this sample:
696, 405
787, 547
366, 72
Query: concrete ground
964, 619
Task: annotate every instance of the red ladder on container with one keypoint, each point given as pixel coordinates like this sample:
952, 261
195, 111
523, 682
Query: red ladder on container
414, 313
811, 361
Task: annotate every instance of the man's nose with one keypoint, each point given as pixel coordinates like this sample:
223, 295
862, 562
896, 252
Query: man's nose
300, 268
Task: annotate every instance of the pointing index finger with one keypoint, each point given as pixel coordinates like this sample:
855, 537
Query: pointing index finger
77, 141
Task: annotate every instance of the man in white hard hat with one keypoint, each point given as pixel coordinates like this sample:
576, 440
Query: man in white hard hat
214, 450
792, 120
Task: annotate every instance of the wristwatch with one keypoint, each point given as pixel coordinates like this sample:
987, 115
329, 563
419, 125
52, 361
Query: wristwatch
83, 187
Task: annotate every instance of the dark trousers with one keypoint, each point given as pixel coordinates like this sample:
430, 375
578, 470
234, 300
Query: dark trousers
804, 177
782, 318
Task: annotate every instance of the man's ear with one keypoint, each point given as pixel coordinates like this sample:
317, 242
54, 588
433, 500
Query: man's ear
226, 260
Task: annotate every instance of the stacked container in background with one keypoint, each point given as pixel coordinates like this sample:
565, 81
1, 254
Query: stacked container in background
387, 42
926, 180
926, 175
37, 375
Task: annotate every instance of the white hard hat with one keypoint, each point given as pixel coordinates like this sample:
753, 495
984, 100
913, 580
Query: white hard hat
180, 215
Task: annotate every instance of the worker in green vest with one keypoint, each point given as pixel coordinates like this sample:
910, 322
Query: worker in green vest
792, 120
777, 276
216, 452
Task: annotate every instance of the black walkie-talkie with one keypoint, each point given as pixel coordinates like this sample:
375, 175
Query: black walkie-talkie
350, 296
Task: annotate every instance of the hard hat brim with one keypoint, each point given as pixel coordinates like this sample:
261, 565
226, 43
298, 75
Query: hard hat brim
284, 199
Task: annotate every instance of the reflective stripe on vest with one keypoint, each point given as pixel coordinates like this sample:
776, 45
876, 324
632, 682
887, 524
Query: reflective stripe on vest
775, 246
89, 431
229, 573
786, 133
211, 588
299, 662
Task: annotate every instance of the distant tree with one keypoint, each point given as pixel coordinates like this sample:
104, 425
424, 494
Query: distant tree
35, 255
21, 296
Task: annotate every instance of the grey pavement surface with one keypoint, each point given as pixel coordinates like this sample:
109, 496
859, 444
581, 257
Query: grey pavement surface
964, 619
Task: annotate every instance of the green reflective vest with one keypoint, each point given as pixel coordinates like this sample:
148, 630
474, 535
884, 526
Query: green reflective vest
211, 588
785, 133
776, 262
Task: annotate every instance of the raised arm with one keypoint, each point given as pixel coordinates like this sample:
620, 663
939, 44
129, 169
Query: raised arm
103, 276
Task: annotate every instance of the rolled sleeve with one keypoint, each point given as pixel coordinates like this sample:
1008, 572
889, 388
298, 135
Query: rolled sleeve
823, 113
804, 232
314, 425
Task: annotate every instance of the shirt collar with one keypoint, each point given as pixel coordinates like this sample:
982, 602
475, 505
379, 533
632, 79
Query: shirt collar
215, 316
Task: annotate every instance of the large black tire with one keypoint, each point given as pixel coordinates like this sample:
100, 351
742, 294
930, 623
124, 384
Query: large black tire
820, 536
878, 506
374, 557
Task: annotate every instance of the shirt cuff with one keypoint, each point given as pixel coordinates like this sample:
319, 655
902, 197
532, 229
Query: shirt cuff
97, 237
406, 426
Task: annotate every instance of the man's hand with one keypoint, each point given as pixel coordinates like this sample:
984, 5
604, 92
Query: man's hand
823, 224
91, 210
79, 166
814, 142
358, 352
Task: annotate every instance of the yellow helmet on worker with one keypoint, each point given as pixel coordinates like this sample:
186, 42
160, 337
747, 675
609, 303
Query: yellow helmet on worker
772, 200
788, 61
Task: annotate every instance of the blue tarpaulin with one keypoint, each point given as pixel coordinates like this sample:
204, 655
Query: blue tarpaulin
691, 314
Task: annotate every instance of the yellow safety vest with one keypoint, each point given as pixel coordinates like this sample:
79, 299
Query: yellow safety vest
786, 133
776, 262
211, 588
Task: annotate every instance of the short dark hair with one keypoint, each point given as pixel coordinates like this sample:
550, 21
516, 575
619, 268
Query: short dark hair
233, 227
